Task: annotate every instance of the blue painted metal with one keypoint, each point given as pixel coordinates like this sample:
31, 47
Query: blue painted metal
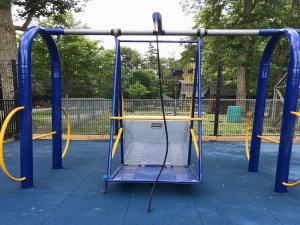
114, 101
268, 32
25, 98
261, 94
157, 20
199, 75
121, 105
290, 104
56, 101
193, 106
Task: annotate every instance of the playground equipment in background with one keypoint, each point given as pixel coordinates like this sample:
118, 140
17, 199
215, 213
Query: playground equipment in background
184, 126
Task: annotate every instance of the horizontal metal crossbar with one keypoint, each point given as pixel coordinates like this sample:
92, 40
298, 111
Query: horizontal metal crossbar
154, 118
200, 32
268, 139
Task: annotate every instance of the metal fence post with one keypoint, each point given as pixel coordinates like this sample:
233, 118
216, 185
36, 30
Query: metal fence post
218, 97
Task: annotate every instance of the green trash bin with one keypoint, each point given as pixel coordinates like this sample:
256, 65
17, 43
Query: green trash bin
234, 114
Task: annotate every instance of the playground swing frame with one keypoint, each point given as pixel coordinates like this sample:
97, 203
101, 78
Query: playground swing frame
290, 105
146, 172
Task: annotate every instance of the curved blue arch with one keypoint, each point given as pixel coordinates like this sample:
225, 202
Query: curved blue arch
290, 104
25, 99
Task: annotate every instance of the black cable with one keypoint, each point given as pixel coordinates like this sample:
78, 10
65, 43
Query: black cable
165, 124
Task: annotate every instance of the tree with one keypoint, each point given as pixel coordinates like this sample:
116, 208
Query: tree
26, 10
82, 60
241, 55
8, 48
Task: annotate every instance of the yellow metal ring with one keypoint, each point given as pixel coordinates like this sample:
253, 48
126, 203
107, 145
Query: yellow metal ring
247, 136
68, 132
2, 132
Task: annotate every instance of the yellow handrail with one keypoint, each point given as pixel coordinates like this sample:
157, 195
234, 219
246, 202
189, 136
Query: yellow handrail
153, 118
268, 139
44, 135
68, 132
296, 113
2, 132
195, 143
116, 143
247, 136
291, 184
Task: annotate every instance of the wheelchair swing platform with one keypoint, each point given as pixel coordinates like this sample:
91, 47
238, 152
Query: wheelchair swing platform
148, 174
143, 148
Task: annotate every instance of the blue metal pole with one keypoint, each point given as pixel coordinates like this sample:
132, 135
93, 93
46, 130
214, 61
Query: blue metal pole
198, 68
193, 102
290, 104
114, 101
56, 102
25, 99
261, 94
121, 106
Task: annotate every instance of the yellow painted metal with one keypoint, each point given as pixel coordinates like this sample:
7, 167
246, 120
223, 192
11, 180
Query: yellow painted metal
44, 135
68, 132
153, 118
296, 113
247, 136
291, 184
195, 143
2, 132
268, 139
116, 143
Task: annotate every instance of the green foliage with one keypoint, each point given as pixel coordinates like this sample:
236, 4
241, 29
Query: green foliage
81, 61
244, 52
47, 7
137, 91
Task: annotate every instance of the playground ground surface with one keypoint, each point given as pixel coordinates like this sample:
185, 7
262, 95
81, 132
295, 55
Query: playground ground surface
229, 194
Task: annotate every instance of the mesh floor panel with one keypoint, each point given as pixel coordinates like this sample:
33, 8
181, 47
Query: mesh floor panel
178, 174
145, 142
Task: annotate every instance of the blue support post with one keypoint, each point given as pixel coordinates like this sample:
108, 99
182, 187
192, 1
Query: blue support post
25, 98
56, 102
261, 94
290, 104
114, 102
120, 93
197, 83
288, 120
199, 75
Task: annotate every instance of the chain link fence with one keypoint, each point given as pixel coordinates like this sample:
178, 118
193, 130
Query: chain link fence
90, 116
89, 113
8, 96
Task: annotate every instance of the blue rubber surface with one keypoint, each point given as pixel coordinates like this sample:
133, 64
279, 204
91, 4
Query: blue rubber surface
228, 194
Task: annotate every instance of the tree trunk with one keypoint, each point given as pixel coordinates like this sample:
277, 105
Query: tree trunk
8, 50
241, 94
